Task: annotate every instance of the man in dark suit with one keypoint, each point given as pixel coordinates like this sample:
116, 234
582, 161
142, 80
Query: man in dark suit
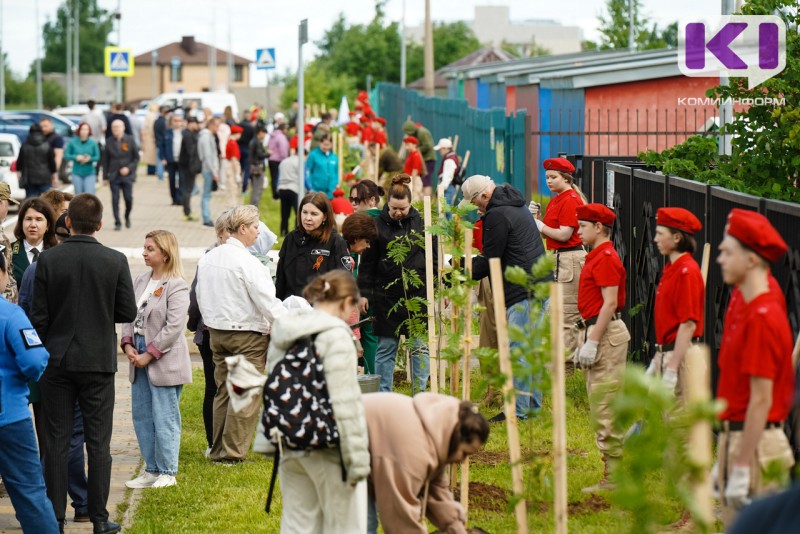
82, 289
120, 158
189, 165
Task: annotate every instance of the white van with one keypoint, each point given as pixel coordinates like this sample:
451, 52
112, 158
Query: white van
215, 101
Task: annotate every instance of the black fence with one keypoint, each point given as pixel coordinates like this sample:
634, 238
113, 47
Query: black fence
636, 194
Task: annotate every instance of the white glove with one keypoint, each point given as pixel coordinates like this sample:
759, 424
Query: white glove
533, 207
715, 480
539, 225
588, 354
670, 379
738, 488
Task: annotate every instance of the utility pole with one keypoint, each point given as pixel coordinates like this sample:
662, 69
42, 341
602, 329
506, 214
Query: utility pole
39, 100
68, 71
230, 54
119, 43
301, 120
428, 50
153, 67
76, 50
212, 51
725, 106
2, 64
403, 47
631, 16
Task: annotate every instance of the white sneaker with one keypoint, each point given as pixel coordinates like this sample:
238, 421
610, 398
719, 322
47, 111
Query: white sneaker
144, 481
164, 481
207, 454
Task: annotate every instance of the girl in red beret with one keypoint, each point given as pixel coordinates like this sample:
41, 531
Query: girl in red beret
603, 337
414, 166
559, 229
680, 297
233, 168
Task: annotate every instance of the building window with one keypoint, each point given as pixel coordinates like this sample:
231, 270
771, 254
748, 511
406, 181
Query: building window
176, 73
238, 73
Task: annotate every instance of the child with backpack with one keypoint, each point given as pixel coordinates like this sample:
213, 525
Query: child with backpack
313, 409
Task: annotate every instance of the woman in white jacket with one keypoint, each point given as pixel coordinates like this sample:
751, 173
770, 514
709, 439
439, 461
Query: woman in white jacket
315, 499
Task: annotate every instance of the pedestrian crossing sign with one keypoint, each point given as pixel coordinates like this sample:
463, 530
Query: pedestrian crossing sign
265, 58
118, 61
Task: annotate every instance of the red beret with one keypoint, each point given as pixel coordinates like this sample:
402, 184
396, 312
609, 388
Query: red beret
338, 192
679, 219
381, 120
559, 164
754, 231
362, 95
410, 139
363, 118
596, 213
353, 113
308, 127
236, 129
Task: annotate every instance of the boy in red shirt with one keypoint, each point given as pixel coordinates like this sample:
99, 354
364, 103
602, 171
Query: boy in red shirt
414, 166
756, 376
233, 168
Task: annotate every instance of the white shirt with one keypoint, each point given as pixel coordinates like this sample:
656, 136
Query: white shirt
148, 290
235, 290
177, 137
448, 170
29, 248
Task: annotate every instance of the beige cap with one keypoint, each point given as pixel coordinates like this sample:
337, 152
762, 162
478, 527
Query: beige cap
472, 187
5, 193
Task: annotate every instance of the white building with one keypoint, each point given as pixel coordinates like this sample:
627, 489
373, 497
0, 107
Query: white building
493, 25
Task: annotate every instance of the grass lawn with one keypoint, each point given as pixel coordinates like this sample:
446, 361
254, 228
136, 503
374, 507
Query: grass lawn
212, 498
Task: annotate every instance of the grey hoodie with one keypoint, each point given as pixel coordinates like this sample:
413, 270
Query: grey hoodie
207, 152
336, 347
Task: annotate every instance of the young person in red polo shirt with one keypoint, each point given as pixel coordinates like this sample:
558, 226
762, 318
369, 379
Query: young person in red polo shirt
680, 297
559, 228
414, 166
603, 338
756, 376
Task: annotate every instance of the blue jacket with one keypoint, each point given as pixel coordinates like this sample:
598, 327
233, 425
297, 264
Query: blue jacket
22, 358
322, 171
164, 147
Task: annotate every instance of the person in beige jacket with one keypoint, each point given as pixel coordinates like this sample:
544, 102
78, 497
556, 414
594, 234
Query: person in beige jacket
412, 440
315, 498
156, 348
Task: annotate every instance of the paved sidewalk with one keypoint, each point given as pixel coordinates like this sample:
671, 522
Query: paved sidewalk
152, 210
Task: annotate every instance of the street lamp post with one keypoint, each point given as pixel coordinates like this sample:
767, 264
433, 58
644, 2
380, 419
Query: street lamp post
39, 104
119, 43
302, 39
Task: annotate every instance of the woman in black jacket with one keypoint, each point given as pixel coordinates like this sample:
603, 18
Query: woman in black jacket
36, 163
380, 281
311, 249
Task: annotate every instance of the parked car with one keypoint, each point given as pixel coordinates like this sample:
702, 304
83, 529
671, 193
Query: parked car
77, 111
9, 152
215, 101
18, 122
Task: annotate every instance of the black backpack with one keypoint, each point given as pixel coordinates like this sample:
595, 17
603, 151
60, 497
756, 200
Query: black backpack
298, 413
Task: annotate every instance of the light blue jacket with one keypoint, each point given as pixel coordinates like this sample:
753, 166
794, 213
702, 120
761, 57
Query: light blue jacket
322, 171
22, 358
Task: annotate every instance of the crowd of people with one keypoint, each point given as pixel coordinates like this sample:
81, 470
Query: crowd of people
336, 288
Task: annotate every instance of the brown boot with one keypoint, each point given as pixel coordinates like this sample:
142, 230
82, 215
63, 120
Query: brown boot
605, 483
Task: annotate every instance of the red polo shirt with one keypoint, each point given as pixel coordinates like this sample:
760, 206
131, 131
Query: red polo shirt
379, 137
736, 303
352, 128
757, 342
232, 150
603, 268
562, 211
367, 134
680, 297
413, 161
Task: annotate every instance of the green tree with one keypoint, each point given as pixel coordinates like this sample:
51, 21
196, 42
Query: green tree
451, 41
95, 26
614, 27
533, 49
321, 86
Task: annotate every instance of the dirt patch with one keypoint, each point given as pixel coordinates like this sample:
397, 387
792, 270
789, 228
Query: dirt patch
592, 505
491, 458
486, 497
400, 378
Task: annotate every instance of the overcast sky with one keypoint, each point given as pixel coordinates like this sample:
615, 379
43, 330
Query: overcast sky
148, 24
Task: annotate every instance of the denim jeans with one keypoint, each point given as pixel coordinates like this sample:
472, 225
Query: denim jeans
450, 197
530, 401
36, 190
22, 476
157, 420
205, 203
386, 355
372, 516
159, 169
85, 184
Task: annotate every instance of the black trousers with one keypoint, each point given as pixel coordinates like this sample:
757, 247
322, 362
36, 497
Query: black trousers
211, 387
174, 183
187, 186
126, 186
273, 175
95, 394
244, 161
288, 203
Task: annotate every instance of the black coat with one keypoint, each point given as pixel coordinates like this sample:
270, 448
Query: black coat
36, 161
376, 271
509, 233
303, 257
189, 160
82, 289
118, 154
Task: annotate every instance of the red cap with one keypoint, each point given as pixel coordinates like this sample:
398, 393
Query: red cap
236, 129
363, 118
307, 128
362, 95
410, 139
380, 120
754, 231
559, 164
353, 113
596, 213
338, 192
679, 219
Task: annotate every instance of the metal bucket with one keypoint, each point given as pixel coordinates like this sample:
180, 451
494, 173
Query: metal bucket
369, 383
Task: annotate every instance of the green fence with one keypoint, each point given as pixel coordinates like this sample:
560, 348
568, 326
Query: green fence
496, 142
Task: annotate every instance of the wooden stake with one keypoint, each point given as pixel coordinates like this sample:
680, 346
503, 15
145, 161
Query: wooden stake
706, 261
377, 163
509, 396
433, 351
699, 450
440, 270
455, 143
559, 408
340, 148
466, 382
